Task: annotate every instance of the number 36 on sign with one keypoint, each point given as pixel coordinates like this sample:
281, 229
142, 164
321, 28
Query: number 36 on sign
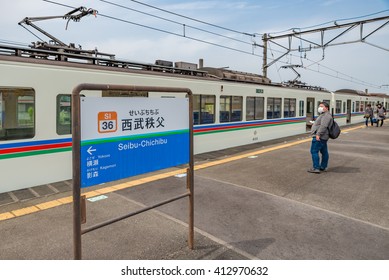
107, 122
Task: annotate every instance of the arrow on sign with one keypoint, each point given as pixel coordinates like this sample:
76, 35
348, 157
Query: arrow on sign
90, 150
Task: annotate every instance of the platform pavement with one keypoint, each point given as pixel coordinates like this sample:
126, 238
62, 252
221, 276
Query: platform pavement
249, 204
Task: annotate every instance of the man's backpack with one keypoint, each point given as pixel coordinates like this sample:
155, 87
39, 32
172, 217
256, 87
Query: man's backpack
334, 129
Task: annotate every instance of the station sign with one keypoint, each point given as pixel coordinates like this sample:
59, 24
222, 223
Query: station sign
124, 137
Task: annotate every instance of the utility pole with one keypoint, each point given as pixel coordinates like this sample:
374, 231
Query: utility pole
264, 64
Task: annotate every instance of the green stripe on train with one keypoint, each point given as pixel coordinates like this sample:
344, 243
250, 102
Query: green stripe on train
35, 153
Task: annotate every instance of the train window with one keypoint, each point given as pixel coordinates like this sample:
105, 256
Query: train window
225, 108
230, 108
301, 108
259, 108
64, 114
273, 108
237, 104
310, 108
289, 107
356, 106
254, 108
338, 106
361, 106
203, 109
344, 107
17, 113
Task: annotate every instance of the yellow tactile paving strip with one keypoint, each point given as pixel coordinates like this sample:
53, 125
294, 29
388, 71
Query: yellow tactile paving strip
69, 199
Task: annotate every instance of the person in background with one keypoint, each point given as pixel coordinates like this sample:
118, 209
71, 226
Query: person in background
369, 114
320, 136
381, 114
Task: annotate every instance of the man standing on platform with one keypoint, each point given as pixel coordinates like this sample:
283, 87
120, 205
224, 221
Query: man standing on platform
320, 136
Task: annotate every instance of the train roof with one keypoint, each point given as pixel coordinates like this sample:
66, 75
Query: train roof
48, 52
360, 93
233, 75
71, 56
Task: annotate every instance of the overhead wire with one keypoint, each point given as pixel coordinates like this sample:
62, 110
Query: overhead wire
207, 42
337, 74
178, 35
175, 22
8, 42
168, 32
350, 78
190, 18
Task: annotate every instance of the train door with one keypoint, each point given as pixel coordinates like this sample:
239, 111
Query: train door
348, 111
310, 112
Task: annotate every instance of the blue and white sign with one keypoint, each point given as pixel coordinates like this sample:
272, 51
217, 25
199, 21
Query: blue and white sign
124, 137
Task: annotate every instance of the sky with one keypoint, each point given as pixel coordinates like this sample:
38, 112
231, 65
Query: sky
225, 34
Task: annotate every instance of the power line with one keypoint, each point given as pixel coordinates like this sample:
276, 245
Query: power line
351, 79
170, 32
190, 18
176, 22
346, 77
8, 42
179, 35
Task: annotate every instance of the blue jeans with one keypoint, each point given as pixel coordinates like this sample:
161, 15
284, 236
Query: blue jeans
316, 147
371, 121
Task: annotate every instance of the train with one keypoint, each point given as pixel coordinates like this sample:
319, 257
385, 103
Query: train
230, 108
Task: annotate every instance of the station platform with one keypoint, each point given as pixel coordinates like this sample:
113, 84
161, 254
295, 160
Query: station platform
251, 202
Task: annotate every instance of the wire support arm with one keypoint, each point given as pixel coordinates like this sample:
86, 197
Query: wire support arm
28, 21
74, 15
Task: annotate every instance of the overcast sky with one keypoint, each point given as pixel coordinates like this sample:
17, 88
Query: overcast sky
358, 66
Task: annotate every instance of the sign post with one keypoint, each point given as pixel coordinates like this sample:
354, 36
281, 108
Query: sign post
116, 138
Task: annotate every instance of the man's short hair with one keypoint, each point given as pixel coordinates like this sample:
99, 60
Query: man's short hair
325, 104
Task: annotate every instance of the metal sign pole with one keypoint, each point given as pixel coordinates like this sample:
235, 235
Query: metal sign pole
76, 156
76, 139
191, 174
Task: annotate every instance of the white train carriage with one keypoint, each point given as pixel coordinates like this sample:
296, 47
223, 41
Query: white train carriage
35, 123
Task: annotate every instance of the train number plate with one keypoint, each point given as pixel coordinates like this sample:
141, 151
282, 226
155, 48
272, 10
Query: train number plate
107, 122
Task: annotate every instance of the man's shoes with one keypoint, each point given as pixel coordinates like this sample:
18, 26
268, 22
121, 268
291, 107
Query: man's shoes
323, 169
313, 170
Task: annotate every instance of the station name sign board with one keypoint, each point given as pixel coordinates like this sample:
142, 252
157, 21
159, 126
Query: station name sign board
123, 137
